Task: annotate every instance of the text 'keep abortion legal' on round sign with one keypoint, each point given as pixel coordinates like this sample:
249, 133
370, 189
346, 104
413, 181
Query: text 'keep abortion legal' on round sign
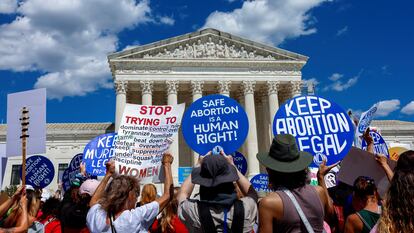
320, 127
98, 152
380, 147
215, 120
39, 171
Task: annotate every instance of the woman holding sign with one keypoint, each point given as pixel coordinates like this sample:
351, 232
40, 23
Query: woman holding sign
113, 209
294, 206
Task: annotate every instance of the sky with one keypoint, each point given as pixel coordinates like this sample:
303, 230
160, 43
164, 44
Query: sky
360, 52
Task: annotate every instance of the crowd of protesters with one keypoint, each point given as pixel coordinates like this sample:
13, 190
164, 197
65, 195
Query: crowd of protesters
224, 201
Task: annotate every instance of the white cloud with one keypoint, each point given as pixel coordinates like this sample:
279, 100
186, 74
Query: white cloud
267, 21
68, 41
386, 107
338, 84
167, 20
342, 31
8, 6
408, 109
335, 76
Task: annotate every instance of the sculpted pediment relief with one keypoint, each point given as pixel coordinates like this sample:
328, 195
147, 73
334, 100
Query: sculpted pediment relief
207, 44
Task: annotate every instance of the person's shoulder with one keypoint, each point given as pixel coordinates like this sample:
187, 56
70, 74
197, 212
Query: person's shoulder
272, 200
353, 222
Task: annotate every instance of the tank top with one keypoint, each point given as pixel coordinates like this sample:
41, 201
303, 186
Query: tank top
312, 207
370, 218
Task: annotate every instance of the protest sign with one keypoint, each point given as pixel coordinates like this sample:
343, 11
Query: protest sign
320, 127
313, 171
35, 101
260, 183
215, 120
380, 147
362, 163
70, 172
145, 134
183, 173
395, 152
39, 171
2, 158
240, 162
365, 120
98, 152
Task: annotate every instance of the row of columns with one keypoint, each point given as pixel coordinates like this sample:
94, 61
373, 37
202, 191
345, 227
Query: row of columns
224, 87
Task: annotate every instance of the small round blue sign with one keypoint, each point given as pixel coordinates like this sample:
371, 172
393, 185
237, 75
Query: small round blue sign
321, 127
380, 147
70, 172
260, 183
39, 171
215, 120
366, 119
98, 152
240, 162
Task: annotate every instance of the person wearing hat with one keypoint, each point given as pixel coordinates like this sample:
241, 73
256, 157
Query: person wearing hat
280, 210
219, 209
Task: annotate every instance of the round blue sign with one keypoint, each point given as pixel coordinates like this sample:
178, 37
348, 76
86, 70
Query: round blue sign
240, 162
321, 127
39, 171
98, 152
260, 183
380, 147
366, 119
70, 172
215, 120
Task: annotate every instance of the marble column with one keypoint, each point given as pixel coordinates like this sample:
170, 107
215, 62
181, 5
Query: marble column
120, 88
146, 89
252, 146
172, 90
224, 87
272, 92
197, 92
296, 87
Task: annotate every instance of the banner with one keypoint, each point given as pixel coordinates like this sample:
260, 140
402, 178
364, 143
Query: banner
240, 162
380, 147
98, 152
320, 127
35, 101
70, 172
145, 134
365, 120
260, 183
39, 171
215, 120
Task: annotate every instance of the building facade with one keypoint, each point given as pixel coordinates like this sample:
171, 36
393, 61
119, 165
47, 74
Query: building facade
182, 69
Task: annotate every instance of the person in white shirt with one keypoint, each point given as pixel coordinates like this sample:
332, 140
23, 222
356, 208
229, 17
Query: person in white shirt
113, 209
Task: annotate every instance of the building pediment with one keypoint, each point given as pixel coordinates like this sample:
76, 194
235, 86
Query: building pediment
207, 44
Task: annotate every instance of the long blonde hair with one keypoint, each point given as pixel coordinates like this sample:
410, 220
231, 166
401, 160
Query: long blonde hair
149, 193
398, 209
169, 212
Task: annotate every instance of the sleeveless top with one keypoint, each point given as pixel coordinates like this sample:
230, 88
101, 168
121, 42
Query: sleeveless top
370, 218
312, 207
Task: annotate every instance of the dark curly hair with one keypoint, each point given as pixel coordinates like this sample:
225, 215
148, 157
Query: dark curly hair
117, 192
398, 209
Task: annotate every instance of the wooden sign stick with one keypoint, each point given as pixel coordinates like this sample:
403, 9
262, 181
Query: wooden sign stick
25, 127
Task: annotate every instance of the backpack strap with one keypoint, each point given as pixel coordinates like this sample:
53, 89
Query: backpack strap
206, 220
111, 219
363, 221
238, 217
300, 211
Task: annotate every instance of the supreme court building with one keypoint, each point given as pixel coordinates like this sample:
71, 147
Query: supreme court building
181, 70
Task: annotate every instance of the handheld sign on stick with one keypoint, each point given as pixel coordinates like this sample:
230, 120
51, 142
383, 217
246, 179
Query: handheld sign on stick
25, 127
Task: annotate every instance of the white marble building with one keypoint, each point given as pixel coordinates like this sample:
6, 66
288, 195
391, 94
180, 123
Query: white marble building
183, 69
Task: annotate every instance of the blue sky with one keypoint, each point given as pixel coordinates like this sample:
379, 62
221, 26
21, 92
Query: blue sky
360, 51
